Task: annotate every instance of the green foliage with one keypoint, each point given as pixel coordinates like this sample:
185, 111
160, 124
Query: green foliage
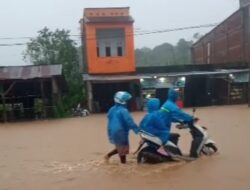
6, 108
183, 52
57, 48
165, 54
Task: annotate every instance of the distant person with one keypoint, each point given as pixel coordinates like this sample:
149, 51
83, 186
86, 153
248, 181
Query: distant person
39, 108
119, 124
153, 124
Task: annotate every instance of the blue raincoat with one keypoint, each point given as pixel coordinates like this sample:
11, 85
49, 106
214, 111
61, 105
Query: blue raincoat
170, 112
152, 123
119, 124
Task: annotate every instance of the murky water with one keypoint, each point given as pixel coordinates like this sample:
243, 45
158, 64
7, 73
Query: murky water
68, 154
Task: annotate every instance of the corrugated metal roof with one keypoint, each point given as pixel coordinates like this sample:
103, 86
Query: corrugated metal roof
30, 72
103, 78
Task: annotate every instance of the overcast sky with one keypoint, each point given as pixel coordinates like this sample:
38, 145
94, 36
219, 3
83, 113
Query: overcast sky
23, 18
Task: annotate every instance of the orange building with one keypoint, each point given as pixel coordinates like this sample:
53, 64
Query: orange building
108, 49
108, 38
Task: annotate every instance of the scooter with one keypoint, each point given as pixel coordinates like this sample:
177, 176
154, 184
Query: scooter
80, 112
201, 144
147, 150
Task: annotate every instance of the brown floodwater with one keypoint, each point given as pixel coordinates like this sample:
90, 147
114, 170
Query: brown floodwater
68, 154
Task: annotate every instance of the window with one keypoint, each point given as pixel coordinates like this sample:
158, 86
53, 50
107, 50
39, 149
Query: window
111, 42
119, 51
107, 51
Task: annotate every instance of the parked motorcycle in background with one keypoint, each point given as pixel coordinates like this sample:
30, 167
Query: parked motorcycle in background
79, 111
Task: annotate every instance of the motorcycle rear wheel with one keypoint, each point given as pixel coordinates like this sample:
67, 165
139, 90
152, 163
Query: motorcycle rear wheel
150, 155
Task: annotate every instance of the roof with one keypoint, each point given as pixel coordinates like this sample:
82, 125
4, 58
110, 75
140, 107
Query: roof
30, 72
105, 78
100, 8
118, 19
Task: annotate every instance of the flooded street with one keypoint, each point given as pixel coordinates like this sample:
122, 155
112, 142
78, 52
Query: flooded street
68, 154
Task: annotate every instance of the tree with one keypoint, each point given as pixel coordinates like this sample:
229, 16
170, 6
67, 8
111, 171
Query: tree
57, 48
165, 54
183, 52
197, 36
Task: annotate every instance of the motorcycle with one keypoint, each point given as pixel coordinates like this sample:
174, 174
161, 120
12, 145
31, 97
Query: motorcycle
201, 144
79, 112
147, 150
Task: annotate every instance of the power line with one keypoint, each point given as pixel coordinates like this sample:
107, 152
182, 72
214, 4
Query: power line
132, 34
27, 38
15, 38
14, 44
73, 35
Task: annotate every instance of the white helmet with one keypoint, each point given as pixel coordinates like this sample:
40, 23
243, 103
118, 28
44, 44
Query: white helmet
122, 97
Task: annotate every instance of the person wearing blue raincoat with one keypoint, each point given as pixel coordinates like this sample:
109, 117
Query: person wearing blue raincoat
170, 112
119, 123
153, 124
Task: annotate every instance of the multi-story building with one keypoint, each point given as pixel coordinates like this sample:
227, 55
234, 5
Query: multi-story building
108, 43
228, 43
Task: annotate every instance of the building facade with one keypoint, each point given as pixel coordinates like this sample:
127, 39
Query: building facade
228, 43
28, 92
108, 44
109, 41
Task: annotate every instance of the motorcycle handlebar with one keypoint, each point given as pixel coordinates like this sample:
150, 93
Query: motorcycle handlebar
185, 125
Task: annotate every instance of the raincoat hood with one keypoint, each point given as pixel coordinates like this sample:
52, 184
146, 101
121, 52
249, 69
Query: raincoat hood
172, 95
153, 104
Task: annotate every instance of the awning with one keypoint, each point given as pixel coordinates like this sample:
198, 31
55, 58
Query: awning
137, 76
30, 72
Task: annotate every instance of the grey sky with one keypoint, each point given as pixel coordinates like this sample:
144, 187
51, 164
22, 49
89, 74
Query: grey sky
21, 18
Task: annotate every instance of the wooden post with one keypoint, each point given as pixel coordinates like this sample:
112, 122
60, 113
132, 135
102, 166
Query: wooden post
55, 91
229, 91
4, 108
89, 96
42, 88
43, 97
3, 94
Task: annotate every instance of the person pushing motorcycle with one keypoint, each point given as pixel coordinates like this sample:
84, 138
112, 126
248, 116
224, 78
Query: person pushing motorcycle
120, 122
